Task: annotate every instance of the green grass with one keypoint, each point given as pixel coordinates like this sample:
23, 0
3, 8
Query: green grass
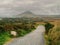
4, 37
22, 32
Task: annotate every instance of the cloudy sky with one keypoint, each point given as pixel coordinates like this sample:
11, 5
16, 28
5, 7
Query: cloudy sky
40, 7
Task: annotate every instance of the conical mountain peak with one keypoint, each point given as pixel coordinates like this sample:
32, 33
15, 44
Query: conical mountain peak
27, 12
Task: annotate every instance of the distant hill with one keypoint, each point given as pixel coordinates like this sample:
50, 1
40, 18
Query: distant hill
27, 14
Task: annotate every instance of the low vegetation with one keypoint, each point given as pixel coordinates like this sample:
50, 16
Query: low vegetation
48, 26
4, 37
20, 26
53, 36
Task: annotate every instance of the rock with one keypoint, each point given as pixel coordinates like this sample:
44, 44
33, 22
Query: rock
14, 33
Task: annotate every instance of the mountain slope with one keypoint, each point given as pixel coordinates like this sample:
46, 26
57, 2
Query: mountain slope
26, 14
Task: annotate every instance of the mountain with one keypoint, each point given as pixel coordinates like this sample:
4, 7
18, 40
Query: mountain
26, 14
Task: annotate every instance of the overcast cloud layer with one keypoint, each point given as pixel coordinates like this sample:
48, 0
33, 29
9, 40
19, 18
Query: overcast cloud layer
40, 7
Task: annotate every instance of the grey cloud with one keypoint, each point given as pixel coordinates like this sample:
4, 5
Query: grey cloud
41, 7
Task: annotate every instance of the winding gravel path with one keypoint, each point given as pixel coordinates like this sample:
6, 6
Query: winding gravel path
34, 38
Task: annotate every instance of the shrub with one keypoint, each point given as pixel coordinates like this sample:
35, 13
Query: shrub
2, 29
22, 32
48, 26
